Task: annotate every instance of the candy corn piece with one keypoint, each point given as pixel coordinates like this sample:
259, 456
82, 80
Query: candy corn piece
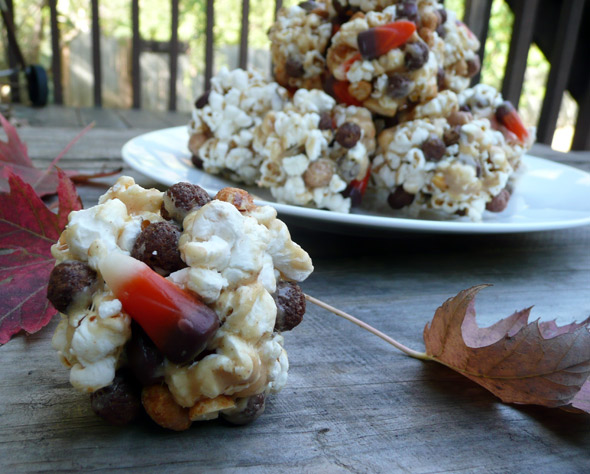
377, 41
507, 115
339, 90
178, 322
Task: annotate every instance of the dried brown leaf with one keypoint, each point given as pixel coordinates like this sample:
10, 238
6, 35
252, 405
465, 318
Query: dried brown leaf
537, 363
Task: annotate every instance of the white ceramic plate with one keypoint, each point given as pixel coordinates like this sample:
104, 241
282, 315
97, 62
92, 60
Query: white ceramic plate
548, 196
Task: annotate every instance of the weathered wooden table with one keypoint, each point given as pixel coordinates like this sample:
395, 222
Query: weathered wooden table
352, 403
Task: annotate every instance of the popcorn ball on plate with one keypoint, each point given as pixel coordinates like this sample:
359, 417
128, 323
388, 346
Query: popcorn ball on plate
445, 160
182, 317
299, 38
483, 101
344, 9
378, 60
224, 119
456, 48
316, 153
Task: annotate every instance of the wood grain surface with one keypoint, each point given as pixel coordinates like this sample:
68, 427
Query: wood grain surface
352, 403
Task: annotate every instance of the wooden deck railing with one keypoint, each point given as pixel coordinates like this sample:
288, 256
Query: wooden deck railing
553, 23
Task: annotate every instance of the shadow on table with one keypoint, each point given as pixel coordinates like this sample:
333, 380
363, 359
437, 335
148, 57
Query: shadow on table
449, 387
327, 244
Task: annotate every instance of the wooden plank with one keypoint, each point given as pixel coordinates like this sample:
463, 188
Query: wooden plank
477, 18
49, 116
103, 118
525, 12
55, 54
135, 52
209, 43
581, 139
561, 62
173, 57
96, 64
154, 119
243, 62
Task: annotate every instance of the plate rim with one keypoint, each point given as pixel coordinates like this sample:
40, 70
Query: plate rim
389, 223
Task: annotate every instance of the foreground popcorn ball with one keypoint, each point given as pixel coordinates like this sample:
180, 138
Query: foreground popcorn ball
299, 38
315, 153
446, 160
224, 119
378, 60
239, 268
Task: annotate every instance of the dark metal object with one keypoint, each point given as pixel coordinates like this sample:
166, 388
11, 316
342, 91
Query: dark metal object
35, 75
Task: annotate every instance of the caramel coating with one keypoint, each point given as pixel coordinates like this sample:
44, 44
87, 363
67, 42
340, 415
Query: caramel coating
161, 407
238, 197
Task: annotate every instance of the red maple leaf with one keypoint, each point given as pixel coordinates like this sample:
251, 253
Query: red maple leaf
14, 159
27, 231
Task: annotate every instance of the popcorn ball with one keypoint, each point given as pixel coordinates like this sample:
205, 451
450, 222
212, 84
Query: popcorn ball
316, 153
179, 314
344, 9
455, 46
299, 39
224, 119
447, 160
483, 101
379, 61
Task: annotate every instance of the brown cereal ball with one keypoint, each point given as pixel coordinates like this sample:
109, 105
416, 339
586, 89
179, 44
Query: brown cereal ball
71, 282
319, 173
348, 134
400, 198
157, 246
203, 100
290, 302
499, 202
118, 403
181, 198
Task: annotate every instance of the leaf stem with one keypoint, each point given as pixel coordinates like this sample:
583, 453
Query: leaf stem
371, 329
